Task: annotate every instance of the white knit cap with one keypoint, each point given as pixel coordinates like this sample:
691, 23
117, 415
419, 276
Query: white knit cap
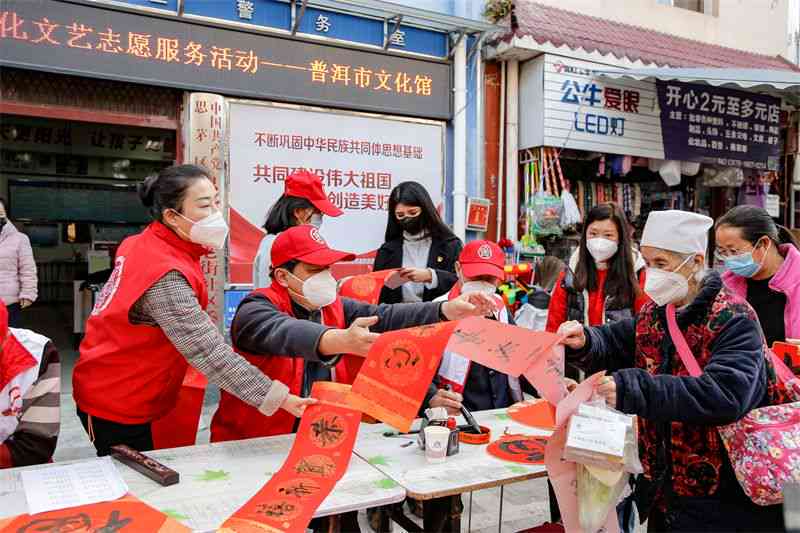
677, 231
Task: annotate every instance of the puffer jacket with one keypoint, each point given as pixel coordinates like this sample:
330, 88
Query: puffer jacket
786, 280
17, 267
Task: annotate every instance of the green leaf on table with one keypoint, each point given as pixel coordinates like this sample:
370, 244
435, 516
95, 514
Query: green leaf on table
172, 513
517, 469
502, 416
213, 475
379, 460
386, 483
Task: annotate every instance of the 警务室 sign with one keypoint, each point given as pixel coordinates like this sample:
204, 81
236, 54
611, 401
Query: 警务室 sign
564, 103
719, 125
92, 41
359, 159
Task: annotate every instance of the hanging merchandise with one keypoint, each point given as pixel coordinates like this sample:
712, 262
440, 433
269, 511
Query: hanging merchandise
570, 215
690, 168
546, 207
654, 164
670, 172
753, 192
722, 176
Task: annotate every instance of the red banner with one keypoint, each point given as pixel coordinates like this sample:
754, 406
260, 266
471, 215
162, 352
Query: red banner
318, 459
126, 515
366, 287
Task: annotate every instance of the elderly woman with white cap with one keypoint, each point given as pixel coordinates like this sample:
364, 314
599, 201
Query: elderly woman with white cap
688, 482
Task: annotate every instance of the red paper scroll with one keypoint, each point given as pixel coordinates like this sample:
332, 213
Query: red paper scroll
366, 287
397, 372
126, 515
318, 459
519, 449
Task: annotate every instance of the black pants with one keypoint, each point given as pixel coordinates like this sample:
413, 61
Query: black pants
14, 315
105, 434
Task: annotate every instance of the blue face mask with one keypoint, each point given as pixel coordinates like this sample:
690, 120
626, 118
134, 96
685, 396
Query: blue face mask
743, 264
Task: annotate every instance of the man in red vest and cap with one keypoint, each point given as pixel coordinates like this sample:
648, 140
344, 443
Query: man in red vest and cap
30, 386
299, 331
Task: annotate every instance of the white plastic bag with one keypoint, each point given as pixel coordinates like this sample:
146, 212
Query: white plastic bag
598, 495
670, 172
530, 317
571, 215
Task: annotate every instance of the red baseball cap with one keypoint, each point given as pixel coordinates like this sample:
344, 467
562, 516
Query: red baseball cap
305, 244
304, 184
482, 258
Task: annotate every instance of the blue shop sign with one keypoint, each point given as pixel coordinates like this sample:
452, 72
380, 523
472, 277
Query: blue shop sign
268, 13
162, 5
417, 40
341, 26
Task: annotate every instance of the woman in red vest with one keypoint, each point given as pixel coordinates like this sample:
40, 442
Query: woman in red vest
149, 321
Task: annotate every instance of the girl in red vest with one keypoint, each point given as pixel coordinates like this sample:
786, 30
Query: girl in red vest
149, 322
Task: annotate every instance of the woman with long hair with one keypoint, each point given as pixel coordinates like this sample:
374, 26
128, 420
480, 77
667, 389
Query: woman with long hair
420, 244
303, 202
763, 266
605, 276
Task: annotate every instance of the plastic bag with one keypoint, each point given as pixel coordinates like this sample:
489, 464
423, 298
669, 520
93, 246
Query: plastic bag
547, 214
603, 438
670, 172
598, 492
571, 214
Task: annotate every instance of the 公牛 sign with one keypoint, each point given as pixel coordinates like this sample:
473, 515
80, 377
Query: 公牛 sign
566, 103
359, 158
156, 49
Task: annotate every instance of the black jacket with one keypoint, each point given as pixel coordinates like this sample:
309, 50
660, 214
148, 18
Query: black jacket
260, 328
442, 258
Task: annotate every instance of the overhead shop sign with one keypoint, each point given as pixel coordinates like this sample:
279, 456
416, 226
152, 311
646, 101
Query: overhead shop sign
578, 110
719, 125
79, 39
567, 104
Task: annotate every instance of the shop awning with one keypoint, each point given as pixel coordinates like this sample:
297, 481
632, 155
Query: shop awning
747, 78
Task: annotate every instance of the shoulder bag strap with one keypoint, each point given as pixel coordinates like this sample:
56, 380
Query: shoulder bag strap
681, 346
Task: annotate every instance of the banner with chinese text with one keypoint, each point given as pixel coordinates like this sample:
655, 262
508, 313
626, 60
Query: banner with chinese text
359, 159
719, 125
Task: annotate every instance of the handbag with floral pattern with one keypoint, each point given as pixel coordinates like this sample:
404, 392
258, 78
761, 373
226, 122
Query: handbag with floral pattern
764, 446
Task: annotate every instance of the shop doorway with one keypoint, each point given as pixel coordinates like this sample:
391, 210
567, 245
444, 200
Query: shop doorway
70, 187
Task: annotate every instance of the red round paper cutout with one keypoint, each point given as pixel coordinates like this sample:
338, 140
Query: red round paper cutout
299, 488
519, 449
363, 286
316, 466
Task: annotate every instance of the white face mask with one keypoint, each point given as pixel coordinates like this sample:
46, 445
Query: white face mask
210, 231
316, 220
478, 286
601, 249
665, 287
319, 289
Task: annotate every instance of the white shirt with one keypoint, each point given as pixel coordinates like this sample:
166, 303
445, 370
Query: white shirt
416, 250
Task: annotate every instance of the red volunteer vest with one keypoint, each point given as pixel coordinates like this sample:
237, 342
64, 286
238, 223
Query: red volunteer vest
131, 374
235, 419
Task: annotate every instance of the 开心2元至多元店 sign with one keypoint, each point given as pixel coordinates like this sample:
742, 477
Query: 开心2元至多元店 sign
56, 36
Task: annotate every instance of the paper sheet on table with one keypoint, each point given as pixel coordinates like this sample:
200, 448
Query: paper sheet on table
83, 483
563, 474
